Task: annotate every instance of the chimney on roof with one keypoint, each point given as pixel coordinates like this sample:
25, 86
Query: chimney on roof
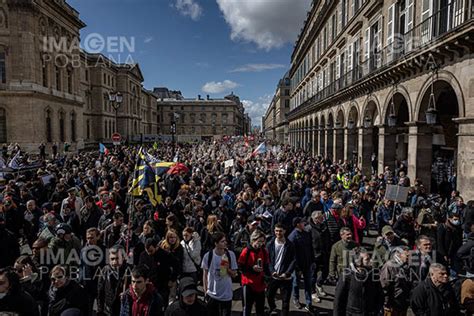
199, 97
207, 97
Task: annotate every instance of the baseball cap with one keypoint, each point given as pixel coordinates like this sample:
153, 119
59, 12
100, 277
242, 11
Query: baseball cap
187, 286
387, 229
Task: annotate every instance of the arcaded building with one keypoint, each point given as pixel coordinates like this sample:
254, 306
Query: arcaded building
390, 79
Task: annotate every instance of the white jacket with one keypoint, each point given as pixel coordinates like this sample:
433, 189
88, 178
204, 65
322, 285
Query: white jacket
191, 250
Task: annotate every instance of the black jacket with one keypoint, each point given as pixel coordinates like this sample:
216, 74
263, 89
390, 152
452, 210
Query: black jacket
427, 300
448, 240
178, 308
288, 261
160, 267
464, 254
20, 303
303, 249
405, 230
109, 287
395, 279
321, 241
71, 295
358, 294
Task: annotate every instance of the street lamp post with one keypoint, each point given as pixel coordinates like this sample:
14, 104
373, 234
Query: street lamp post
116, 99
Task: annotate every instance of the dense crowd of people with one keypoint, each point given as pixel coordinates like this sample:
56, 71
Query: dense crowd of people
75, 241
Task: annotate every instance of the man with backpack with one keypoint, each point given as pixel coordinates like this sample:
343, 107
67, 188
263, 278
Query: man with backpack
220, 266
253, 263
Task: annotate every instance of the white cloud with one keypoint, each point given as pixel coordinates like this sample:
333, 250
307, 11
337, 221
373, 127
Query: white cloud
189, 8
219, 87
269, 24
257, 67
256, 109
148, 39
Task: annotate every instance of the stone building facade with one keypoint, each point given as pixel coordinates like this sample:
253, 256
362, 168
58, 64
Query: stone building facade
364, 76
201, 118
275, 122
40, 89
136, 115
53, 92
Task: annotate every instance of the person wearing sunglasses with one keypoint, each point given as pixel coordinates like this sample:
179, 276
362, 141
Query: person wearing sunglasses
65, 294
13, 299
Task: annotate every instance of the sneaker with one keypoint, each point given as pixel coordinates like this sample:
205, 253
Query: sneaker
297, 304
309, 309
315, 298
274, 312
320, 291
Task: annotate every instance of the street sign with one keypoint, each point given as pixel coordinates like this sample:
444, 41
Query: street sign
116, 138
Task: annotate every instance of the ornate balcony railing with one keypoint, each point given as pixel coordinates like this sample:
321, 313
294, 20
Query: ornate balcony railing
421, 36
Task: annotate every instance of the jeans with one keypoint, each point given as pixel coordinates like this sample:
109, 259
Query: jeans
307, 277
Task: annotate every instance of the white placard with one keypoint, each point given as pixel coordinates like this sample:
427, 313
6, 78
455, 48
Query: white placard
229, 163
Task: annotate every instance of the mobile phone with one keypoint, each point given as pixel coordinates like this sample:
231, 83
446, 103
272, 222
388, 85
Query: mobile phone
259, 262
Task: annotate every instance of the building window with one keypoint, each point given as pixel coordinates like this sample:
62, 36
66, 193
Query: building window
203, 118
105, 129
87, 75
88, 127
3, 125
287, 104
62, 135
58, 78
69, 80
73, 127
105, 79
49, 133
3, 70
44, 71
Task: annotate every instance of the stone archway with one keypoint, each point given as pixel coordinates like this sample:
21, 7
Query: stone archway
434, 148
369, 139
394, 139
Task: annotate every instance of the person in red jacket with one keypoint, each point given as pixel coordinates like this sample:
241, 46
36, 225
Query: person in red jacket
253, 263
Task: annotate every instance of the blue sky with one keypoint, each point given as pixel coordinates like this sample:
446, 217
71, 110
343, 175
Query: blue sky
200, 46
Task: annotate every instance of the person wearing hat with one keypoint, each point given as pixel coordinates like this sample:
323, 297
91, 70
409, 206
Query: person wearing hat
301, 239
228, 197
188, 303
384, 245
66, 242
405, 226
74, 202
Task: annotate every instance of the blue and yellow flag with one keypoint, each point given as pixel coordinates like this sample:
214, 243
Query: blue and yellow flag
145, 179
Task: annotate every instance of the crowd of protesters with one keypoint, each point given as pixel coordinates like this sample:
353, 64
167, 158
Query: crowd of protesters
73, 241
